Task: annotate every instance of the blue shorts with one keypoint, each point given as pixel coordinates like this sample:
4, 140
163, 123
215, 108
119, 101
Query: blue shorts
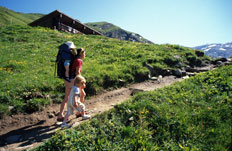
72, 75
67, 62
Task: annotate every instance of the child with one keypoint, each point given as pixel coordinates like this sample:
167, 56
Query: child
71, 48
74, 102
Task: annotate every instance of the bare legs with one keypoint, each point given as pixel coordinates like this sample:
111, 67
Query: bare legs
68, 87
66, 71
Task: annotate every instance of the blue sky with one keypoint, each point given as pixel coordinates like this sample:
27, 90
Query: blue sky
183, 22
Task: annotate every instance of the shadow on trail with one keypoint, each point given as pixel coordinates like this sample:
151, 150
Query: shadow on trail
28, 134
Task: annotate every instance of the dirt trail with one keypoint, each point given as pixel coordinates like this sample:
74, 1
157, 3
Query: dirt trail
25, 131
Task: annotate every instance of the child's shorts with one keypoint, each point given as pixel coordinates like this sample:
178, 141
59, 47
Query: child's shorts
80, 108
71, 108
67, 62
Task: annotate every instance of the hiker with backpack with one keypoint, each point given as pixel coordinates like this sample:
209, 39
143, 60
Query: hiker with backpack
65, 55
75, 69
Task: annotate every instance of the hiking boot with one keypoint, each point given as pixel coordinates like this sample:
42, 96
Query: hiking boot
85, 117
78, 115
60, 119
65, 125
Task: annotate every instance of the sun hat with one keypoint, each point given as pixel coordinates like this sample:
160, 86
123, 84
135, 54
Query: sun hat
70, 45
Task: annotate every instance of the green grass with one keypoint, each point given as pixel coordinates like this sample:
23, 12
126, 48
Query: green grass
28, 56
8, 16
192, 115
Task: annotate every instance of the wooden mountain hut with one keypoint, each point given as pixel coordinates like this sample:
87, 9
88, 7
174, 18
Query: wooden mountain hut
59, 21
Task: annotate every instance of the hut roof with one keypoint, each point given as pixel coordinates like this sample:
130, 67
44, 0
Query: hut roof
57, 16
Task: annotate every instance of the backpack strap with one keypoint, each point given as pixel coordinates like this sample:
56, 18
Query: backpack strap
71, 64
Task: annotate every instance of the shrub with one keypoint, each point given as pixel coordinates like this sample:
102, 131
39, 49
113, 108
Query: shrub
4, 110
35, 104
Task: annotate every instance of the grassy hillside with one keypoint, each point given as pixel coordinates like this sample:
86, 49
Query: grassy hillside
112, 31
8, 16
28, 56
191, 115
103, 27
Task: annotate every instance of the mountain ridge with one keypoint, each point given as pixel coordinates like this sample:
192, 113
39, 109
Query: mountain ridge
9, 17
108, 29
217, 50
112, 31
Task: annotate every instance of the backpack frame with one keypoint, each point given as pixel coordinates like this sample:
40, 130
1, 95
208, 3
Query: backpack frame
63, 54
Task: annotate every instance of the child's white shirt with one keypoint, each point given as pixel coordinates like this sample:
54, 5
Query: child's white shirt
74, 91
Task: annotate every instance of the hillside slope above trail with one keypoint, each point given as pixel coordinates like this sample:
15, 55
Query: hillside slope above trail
25, 131
27, 69
10, 17
113, 31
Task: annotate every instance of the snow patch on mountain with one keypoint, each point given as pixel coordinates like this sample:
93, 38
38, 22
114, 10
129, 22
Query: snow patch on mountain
222, 49
217, 50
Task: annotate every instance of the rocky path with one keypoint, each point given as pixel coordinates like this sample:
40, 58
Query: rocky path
25, 131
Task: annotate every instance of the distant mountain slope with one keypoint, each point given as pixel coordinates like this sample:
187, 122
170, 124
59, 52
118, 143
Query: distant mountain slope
217, 50
112, 31
8, 16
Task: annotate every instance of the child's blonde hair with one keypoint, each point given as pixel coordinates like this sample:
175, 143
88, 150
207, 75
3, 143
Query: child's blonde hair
79, 79
80, 51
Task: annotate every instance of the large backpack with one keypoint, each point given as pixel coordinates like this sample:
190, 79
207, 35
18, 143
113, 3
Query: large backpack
64, 53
